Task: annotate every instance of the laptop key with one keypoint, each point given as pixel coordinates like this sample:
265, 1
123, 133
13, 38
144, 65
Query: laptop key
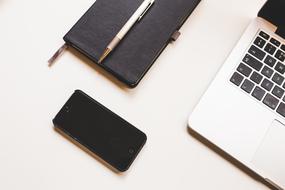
256, 77
264, 35
270, 101
266, 84
258, 93
270, 61
259, 42
266, 71
236, 78
245, 70
269, 48
275, 42
278, 92
252, 62
280, 68
278, 79
280, 55
247, 86
281, 109
256, 52
283, 47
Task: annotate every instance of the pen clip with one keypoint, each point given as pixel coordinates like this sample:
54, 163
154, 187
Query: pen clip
145, 11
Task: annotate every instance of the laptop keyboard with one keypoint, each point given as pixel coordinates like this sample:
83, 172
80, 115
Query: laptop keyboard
261, 72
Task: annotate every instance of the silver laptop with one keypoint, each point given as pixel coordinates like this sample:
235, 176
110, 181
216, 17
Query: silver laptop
243, 110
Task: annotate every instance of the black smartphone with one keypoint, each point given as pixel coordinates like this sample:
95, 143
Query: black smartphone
100, 131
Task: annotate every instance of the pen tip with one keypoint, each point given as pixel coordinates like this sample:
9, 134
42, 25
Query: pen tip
104, 55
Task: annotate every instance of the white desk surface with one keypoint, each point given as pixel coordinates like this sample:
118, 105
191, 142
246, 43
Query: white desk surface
35, 157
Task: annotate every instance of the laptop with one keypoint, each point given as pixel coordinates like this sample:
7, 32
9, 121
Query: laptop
243, 110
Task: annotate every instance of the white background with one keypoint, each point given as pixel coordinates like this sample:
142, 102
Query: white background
34, 157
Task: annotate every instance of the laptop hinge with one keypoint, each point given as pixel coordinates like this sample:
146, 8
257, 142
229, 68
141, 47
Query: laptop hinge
273, 11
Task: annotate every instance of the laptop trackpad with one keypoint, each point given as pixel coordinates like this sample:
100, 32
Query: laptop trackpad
270, 156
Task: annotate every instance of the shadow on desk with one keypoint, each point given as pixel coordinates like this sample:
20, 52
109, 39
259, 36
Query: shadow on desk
229, 158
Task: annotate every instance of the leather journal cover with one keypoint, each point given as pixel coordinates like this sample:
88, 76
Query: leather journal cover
135, 54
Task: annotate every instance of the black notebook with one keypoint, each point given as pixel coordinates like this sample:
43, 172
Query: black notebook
138, 50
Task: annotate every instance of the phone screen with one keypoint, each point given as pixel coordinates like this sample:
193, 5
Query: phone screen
100, 130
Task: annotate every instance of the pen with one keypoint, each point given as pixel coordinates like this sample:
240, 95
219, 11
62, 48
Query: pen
137, 16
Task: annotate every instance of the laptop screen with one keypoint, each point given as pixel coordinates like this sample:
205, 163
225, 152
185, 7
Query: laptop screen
273, 11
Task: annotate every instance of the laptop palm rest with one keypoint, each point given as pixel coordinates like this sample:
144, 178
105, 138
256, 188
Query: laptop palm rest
270, 155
